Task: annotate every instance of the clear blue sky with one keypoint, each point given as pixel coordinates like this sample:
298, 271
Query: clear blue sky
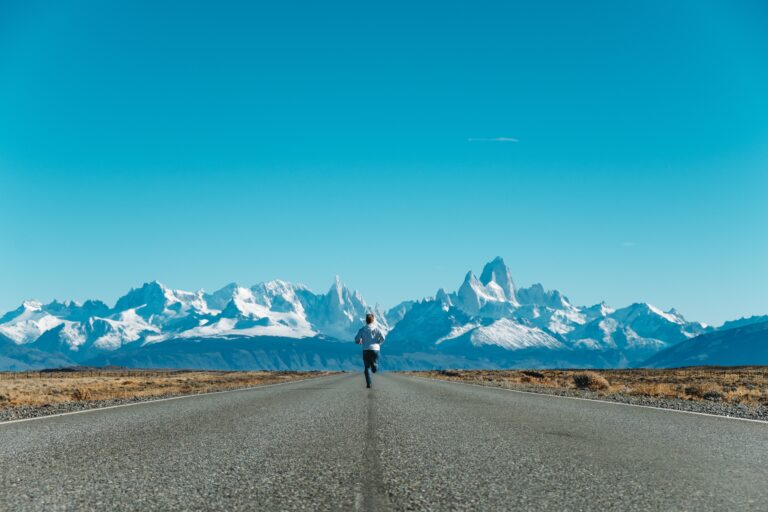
203, 143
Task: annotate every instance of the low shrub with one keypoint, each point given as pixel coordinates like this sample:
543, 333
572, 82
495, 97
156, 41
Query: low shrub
713, 395
708, 391
80, 394
590, 380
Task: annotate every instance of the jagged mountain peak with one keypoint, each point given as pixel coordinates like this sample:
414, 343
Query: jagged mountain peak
537, 295
158, 304
484, 316
598, 310
341, 295
497, 272
336, 291
93, 304
442, 297
493, 294
644, 309
151, 293
31, 305
471, 294
219, 299
233, 309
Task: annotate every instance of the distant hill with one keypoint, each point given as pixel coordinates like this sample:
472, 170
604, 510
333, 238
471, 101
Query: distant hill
741, 322
746, 345
23, 357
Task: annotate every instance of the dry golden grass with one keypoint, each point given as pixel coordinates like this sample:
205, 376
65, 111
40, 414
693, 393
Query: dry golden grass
747, 384
40, 388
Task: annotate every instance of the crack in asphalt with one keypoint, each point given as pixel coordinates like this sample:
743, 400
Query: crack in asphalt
373, 495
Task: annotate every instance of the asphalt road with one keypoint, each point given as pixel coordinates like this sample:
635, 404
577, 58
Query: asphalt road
407, 444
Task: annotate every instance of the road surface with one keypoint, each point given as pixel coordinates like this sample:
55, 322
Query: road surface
407, 444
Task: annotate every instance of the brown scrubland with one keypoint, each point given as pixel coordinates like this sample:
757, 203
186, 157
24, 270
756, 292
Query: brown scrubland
748, 384
53, 387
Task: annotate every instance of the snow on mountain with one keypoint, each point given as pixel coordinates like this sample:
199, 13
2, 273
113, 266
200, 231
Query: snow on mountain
651, 322
154, 313
472, 295
644, 311
112, 333
610, 334
158, 304
533, 310
496, 314
558, 321
536, 295
483, 312
443, 298
507, 333
396, 313
550, 310
458, 331
266, 309
487, 322
476, 298
497, 276
279, 308
219, 299
638, 330
600, 310
97, 333
428, 323
28, 322
340, 312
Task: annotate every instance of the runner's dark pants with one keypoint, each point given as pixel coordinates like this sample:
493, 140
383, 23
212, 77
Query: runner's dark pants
370, 359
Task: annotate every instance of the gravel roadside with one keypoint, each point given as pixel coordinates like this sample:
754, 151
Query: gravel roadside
21, 412
720, 408
758, 412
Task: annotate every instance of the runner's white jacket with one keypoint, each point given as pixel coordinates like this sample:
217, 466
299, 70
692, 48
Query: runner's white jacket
370, 336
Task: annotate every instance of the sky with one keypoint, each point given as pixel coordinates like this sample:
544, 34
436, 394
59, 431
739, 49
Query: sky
615, 151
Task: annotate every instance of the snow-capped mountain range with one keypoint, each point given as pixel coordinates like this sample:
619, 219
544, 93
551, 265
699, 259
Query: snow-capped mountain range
154, 313
486, 322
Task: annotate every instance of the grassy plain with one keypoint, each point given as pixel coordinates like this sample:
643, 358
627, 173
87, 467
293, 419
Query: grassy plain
54, 387
747, 384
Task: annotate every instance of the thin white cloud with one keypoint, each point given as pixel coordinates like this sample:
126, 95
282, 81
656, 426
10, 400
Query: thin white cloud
492, 139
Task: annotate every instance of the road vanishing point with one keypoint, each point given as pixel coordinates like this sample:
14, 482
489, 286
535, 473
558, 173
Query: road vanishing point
407, 444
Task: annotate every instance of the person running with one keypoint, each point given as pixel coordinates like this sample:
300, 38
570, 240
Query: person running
371, 338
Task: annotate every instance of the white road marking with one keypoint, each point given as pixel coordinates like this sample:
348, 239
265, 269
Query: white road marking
94, 409
610, 402
359, 499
